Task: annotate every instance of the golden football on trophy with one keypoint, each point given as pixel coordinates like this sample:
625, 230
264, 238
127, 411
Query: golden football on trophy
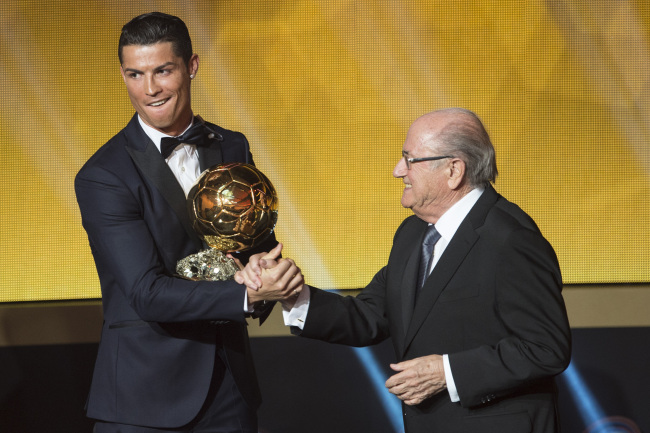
233, 207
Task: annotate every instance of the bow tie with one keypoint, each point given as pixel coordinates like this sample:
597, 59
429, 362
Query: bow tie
199, 135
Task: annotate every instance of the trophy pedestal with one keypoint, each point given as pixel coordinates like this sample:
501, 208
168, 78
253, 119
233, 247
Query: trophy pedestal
210, 264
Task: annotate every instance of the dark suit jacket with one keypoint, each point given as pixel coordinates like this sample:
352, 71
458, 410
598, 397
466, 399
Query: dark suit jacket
493, 303
157, 348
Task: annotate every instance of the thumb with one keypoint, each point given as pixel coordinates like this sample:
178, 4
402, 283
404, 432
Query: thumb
267, 263
274, 253
237, 261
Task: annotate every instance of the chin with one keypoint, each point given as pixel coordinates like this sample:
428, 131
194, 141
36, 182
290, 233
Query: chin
161, 124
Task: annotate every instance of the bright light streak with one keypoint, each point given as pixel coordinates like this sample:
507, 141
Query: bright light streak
391, 404
589, 409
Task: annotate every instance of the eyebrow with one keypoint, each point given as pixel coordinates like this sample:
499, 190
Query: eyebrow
157, 68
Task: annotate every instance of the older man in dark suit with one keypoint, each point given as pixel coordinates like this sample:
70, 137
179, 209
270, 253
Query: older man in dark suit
471, 294
174, 354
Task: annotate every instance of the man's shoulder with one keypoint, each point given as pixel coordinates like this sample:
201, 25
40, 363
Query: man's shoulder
227, 134
113, 153
411, 224
510, 213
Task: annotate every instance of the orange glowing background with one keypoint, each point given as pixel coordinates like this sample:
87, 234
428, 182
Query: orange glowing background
325, 92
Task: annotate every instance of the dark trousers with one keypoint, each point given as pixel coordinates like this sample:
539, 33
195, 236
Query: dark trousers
224, 411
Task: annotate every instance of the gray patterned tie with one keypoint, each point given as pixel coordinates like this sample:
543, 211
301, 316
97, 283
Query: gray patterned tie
430, 238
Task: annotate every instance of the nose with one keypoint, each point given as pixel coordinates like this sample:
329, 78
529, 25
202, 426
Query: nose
150, 86
400, 169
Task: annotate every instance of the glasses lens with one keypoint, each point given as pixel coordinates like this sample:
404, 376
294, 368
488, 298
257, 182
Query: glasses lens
406, 161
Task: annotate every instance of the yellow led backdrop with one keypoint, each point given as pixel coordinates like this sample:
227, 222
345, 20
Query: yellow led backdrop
325, 92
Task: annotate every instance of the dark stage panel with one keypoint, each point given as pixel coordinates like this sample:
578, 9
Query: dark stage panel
313, 387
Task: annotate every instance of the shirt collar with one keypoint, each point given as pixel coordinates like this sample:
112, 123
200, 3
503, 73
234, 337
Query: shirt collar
449, 222
156, 135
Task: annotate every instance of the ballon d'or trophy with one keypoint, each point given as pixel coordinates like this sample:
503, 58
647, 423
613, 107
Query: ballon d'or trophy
232, 207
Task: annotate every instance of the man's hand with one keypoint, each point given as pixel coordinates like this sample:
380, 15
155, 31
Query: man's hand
269, 279
250, 275
418, 379
279, 283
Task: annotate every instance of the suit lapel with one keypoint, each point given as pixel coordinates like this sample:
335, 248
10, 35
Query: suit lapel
453, 256
210, 156
148, 159
409, 278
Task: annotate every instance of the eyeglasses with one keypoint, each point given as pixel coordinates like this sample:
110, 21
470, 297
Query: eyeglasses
410, 161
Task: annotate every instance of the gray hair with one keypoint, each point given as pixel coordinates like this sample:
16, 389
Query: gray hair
465, 137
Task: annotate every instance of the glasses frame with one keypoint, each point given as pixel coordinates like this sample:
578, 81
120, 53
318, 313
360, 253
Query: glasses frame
410, 161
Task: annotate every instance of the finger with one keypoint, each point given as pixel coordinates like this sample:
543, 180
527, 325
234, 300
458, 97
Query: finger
298, 282
399, 391
394, 380
248, 282
251, 279
253, 295
291, 273
296, 291
273, 277
253, 266
398, 386
393, 392
274, 253
287, 277
268, 263
237, 262
405, 365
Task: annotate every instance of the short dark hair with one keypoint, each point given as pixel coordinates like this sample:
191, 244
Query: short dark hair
154, 27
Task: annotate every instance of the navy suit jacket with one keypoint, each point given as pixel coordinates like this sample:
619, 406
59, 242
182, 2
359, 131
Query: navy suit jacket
158, 348
493, 303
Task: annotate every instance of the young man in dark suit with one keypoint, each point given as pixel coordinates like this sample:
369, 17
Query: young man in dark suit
174, 354
471, 294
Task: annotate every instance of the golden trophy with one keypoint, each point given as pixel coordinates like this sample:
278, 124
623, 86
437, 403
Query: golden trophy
232, 207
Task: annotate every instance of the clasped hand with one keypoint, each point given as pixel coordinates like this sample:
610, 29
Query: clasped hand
268, 278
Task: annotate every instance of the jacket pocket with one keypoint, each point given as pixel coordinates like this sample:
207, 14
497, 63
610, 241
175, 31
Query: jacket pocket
518, 422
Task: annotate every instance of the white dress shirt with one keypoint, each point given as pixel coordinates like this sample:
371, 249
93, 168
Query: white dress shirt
184, 163
447, 225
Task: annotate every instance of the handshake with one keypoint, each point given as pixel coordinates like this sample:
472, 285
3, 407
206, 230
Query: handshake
268, 278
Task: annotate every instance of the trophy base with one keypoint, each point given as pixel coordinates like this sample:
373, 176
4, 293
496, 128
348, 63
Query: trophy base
210, 264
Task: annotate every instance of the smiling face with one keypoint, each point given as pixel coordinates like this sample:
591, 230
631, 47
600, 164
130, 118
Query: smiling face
158, 83
430, 187
423, 182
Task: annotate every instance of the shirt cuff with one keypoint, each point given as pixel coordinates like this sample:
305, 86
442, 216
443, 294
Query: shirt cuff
248, 308
451, 386
297, 315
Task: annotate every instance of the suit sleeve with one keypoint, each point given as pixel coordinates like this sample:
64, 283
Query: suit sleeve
348, 320
530, 306
128, 258
359, 321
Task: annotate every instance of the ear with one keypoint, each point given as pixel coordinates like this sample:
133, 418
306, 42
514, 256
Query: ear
193, 65
455, 173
